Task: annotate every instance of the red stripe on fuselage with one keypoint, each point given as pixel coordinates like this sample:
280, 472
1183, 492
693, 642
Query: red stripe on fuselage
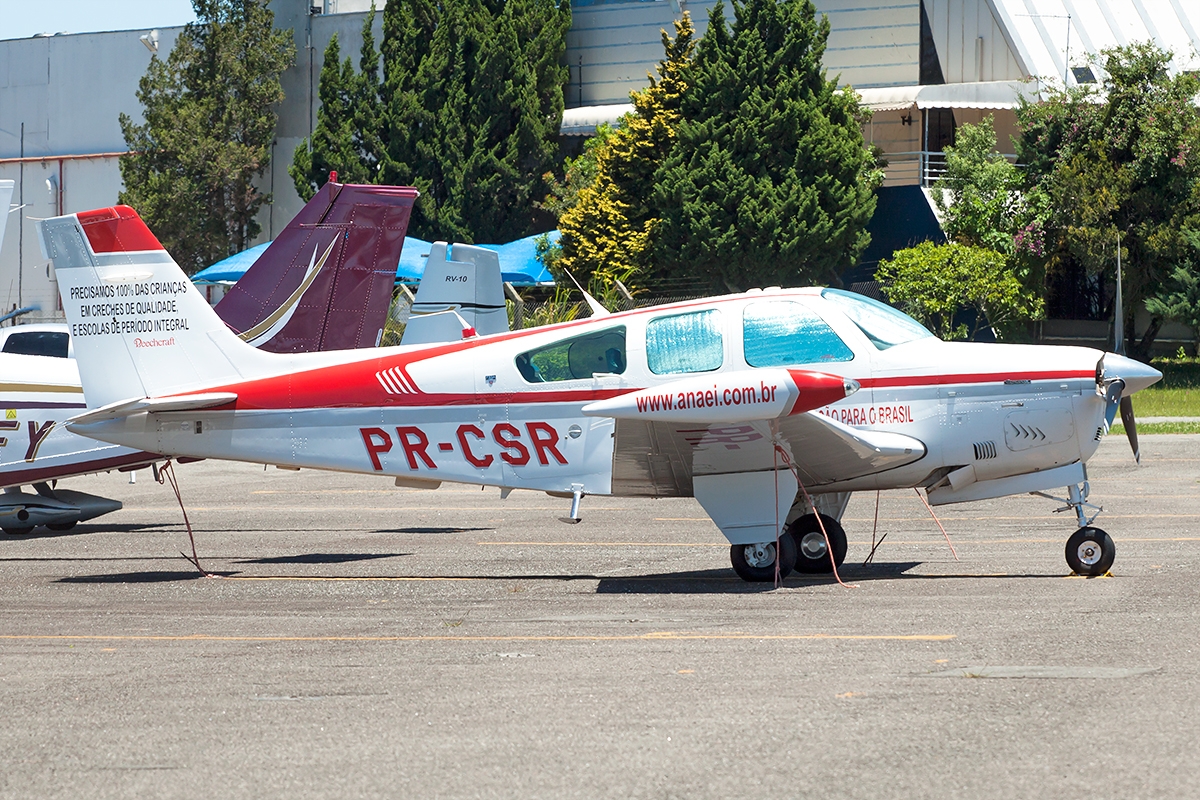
989, 377
117, 230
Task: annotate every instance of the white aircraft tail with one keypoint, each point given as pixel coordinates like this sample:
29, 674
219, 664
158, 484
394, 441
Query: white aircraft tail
466, 292
139, 327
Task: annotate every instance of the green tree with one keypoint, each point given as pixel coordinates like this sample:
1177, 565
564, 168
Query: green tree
1126, 160
1179, 299
769, 180
607, 228
346, 137
209, 112
472, 100
934, 283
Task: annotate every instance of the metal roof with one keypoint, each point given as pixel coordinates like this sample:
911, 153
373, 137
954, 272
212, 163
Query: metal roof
1041, 33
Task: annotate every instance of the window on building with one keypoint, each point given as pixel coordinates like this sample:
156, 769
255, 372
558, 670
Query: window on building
685, 343
883, 325
778, 333
577, 357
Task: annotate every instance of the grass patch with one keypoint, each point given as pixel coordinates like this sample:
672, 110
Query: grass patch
1167, 402
1158, 427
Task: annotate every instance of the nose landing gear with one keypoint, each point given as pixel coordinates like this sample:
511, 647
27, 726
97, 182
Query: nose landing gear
1090, 551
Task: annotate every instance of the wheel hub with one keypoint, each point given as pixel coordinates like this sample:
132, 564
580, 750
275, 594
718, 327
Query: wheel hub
1089, 553
812, 545
760, 555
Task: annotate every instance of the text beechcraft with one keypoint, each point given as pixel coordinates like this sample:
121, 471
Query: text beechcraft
750, 403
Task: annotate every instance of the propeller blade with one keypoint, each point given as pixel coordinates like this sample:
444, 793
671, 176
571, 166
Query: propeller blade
1130, 427
1112, 397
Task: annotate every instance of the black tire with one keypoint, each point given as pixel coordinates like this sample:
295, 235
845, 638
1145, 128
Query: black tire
18, 531
811, 555
756, 563
62, 526
1090, 551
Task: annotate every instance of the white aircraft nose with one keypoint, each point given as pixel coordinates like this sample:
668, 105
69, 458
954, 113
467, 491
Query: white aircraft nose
1137, 376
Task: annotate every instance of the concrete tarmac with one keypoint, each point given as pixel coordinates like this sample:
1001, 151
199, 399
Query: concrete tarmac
370, 641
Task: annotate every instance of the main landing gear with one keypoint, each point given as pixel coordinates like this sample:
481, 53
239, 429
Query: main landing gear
802, 548
1090, 551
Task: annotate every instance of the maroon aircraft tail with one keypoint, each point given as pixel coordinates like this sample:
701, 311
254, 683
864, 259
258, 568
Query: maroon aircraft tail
326, 281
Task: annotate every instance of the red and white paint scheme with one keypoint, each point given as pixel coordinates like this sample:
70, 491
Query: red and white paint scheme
734, 400
325, 283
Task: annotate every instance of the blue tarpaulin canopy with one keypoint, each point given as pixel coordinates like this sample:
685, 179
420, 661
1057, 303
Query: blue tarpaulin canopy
519, 263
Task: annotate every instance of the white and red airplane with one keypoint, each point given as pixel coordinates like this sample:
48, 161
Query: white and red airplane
325, 283
749, 402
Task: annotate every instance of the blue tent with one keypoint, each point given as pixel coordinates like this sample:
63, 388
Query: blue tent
519, 264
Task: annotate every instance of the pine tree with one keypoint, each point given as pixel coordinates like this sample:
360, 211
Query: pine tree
210, 117
606, 233
347, 135
769, 181
472, 96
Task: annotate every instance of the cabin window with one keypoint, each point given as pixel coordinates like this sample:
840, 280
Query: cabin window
685, 343
38, 343
578, 357
779, 333
883, 325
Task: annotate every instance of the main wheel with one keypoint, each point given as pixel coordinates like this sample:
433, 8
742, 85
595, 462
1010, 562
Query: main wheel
756, 562
1090, 551
812, 554
17, 531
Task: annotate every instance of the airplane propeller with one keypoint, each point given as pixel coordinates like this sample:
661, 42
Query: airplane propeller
1114, 390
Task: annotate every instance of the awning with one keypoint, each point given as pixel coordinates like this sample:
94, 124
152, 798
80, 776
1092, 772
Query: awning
987, 94
584, 120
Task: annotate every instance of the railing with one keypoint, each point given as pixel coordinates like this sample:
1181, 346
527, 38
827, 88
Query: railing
918, 167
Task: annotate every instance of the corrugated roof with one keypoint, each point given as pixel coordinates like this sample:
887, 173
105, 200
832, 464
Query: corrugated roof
1044, 31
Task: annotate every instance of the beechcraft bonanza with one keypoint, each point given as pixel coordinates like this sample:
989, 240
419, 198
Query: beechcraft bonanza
752, 403
324, 284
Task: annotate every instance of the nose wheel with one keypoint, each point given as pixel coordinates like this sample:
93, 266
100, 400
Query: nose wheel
1090, 551
755, 563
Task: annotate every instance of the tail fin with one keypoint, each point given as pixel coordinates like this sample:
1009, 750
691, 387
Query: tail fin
468, 289
326, 281
139, 326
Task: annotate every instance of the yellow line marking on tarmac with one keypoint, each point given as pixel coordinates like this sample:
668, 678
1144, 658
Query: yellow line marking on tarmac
652, 636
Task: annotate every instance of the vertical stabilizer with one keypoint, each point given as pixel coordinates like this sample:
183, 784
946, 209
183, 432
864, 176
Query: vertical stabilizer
139, 326
326, 281
461, 284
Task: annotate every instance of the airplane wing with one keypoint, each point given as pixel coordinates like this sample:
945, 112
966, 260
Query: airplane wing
660, 458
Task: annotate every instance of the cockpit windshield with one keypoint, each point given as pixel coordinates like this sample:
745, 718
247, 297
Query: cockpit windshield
883, 325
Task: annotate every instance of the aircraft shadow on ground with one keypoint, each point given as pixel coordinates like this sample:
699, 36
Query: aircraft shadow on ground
724, 581
79, 530
434, 530
151, 576
321, 558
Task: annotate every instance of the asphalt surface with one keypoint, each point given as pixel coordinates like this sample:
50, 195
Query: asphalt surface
370, 641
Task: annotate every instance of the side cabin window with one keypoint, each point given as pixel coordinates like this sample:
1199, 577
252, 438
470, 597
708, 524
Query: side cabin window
685, 343
38, 343
574, 358
778, 333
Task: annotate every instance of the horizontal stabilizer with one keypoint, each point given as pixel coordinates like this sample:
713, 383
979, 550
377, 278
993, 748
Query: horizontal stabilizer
127, 408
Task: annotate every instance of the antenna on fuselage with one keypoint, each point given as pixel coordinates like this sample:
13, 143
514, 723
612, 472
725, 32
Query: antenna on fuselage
594, 304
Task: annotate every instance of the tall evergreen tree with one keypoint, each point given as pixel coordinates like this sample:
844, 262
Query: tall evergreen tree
472, 96
210, 117
606, 233
346, 137
769, 181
